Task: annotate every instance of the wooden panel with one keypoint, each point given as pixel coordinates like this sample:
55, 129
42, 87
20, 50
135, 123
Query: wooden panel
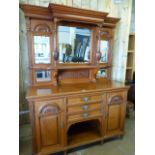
116, 113
49, 125
114, 117
48, 118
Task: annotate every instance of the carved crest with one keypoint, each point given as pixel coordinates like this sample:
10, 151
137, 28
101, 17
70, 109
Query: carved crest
49, 109
42, 28
116, 100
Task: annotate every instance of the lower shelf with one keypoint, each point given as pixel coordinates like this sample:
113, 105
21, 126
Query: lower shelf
79, 133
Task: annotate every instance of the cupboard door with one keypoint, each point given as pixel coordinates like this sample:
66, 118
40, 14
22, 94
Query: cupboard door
114, 117
115, 113
48, 124
49, 130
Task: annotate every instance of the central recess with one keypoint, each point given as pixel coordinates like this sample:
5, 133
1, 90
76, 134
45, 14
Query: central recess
84, 131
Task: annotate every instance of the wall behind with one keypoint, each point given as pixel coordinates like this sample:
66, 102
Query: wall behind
119, 49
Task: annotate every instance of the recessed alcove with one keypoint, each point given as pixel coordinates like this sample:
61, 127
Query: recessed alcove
84, 131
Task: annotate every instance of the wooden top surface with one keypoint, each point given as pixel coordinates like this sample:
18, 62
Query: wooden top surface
70, 89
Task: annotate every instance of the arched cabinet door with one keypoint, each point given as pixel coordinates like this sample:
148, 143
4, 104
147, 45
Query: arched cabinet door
115, 113
49, 125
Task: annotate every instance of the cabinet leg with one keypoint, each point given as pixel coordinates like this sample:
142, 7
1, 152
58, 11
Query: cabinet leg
102, 142
120, 136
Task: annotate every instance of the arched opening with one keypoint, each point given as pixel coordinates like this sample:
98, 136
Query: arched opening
84, 131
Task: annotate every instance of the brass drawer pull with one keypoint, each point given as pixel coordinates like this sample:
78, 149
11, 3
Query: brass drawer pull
85, 115
86, 99
85, 107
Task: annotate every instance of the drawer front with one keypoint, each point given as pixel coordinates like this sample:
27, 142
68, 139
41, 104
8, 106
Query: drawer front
84, 99
116, 97
83, 107
84, 115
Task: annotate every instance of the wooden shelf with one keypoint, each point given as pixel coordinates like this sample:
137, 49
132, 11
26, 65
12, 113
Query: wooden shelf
83, 133
131, 45
130, 57
128, 68
131, 51
129, 74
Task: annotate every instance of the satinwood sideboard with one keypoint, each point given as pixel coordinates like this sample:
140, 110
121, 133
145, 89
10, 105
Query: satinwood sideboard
72, 99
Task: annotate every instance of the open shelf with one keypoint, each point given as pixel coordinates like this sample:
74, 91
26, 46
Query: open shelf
131, 45
129, 74
84, 132
130, 57
130, 60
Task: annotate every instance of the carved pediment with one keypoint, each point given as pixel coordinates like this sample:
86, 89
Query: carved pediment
42, 28
49, 109
115, 100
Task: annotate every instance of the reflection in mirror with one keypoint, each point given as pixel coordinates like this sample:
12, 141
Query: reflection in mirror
43, 75
104, 51
101, 73
74, 44
42, 49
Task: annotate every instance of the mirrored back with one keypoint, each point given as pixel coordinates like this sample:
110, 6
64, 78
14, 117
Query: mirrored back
74, 44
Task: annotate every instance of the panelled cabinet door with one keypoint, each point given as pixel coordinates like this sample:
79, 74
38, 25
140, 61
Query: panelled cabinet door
115, 113
48, 126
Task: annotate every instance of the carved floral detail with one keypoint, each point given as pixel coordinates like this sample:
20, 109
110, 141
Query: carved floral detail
42, 28
116, 99
49, 109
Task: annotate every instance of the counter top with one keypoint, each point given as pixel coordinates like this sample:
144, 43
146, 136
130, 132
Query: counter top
66, 89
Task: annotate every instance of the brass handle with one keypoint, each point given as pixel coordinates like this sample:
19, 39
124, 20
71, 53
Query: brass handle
85, 107
85, 99
85, 115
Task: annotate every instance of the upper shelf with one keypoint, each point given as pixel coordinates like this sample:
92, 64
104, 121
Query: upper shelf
68, 13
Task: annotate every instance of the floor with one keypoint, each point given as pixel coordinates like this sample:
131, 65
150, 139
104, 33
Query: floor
116, 146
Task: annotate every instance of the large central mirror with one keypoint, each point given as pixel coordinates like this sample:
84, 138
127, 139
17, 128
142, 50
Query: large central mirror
74, 44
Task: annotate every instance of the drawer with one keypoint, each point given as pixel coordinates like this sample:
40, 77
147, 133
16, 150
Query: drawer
84, 115
84, 99
83, 107
116, 97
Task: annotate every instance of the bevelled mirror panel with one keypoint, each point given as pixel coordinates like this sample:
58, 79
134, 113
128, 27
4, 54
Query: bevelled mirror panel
74, 44
43, 75
104, 51
42, 49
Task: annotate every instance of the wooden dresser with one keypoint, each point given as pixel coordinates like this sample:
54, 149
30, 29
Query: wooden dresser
72, 99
